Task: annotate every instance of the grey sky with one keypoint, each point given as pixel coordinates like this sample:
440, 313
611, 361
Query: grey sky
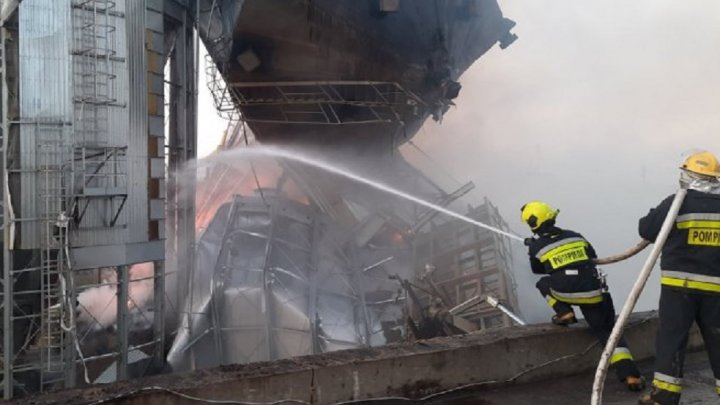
590, 110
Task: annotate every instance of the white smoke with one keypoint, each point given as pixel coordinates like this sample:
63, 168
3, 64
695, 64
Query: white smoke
97, 306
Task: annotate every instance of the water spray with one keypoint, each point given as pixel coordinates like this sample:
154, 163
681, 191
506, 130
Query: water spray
612, 342
279, 153
265, 151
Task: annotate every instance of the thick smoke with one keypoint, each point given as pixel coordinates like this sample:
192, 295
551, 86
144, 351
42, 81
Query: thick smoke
591, 111
97, 306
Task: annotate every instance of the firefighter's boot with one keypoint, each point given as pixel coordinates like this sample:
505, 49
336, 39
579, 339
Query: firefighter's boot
565, 319
635, 383
646, 399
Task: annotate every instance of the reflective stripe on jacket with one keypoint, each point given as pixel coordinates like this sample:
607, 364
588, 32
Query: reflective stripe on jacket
691, 254
690, 280
567, 257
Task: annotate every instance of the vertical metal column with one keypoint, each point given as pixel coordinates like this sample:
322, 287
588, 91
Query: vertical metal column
122, 322
8, 355
217, 285
267, 285
312, 298
358, 285
182, 141
159, 314
155, 70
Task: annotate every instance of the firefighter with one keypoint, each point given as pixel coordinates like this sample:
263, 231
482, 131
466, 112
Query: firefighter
690, 276
572, 279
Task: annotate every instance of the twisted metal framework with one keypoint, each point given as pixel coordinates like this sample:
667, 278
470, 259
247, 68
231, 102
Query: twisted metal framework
271, 284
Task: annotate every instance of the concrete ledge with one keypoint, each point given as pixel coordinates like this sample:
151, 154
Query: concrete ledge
501, 357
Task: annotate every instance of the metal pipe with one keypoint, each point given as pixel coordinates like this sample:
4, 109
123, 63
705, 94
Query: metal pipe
380, 263
466, 304
602, 368
494, 302
624, 255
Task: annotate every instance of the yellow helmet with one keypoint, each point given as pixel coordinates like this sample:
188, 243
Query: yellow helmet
536, 213
703, 163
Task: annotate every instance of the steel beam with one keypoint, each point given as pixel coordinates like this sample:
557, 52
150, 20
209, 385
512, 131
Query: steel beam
267, 285
358, 284
312, 298
8, 353
159, 314
217, 285
182, 142
123, 319
89, 257
7, 7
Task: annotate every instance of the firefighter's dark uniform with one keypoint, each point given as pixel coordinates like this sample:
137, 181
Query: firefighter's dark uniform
690, 278
573, 280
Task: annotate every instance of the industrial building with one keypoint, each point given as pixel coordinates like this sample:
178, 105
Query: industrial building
135, 273
106, 273
85, 185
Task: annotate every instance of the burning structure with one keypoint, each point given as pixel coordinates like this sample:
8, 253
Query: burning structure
96, 216
361, 102
281, 272
460, 262
314, 279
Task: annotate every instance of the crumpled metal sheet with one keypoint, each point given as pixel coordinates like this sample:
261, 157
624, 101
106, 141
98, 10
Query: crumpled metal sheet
271, 282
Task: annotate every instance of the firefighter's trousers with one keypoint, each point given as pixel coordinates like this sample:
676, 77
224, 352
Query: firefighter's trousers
679, 308
601, 319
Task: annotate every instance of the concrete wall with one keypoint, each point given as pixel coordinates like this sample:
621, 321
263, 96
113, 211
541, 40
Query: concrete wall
493, 358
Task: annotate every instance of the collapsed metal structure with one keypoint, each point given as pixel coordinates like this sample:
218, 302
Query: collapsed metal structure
280, 272
272, 281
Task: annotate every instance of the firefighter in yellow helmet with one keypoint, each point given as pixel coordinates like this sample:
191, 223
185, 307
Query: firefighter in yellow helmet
565, 257
690, 276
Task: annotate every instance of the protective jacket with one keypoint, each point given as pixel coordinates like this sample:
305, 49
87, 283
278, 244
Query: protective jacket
567, 257
691, 255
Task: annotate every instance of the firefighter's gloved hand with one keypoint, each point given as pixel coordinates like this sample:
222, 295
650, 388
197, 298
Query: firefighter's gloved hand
528, 241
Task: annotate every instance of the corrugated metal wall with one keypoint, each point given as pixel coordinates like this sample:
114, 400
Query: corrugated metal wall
66, 119
138, 129
126, 127
45, 100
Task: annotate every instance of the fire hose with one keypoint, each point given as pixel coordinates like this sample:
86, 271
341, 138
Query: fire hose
624, 255
612, 342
